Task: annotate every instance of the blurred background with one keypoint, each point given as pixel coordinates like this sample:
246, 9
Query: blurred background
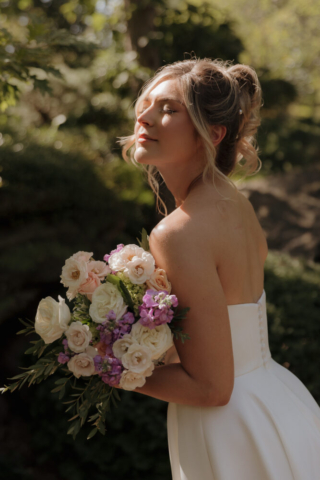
70, 73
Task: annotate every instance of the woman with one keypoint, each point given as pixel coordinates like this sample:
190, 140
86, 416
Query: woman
233, 413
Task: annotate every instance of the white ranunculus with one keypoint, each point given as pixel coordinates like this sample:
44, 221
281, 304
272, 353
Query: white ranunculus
106, 297
121, 346
83, 364
52, 319
137, 264
78, 336
158, 339
137, 359
74, 273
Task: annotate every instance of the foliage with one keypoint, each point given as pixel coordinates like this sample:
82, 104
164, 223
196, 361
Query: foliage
53, 204
293, 304
184, 28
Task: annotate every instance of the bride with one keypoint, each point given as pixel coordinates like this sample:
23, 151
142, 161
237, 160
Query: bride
233, 412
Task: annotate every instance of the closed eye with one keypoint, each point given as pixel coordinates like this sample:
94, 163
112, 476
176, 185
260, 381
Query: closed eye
170, 112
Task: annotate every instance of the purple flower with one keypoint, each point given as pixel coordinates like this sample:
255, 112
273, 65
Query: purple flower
63, 358
148, 298
127, 318
155, 309
109, 369
107, 256
111, 315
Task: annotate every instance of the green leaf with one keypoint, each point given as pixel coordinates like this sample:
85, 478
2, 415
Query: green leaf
30, 350
60, 381
102, 428
18, 376
144, 243
114, 401
92, 433
70, 430
77, 427
116, 394
23, 382
122, 289
69, 408
57, 389
62, 392
93, 417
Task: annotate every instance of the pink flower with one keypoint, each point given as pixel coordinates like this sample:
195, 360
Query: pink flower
89, 286
101, 269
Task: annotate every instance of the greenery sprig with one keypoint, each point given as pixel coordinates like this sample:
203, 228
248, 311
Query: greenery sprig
177, 329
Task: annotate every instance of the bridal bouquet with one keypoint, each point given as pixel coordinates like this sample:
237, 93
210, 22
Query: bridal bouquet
122, 323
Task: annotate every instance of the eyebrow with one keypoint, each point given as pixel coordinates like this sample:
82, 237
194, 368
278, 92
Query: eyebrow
165, 99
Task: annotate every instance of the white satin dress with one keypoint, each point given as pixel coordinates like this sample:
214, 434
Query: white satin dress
269, 430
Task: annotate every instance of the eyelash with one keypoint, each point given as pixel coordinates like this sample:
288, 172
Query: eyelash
170, 112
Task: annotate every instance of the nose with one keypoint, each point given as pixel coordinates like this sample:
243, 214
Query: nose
145, 117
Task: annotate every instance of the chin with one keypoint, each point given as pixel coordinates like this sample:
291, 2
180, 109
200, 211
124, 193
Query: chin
147, 159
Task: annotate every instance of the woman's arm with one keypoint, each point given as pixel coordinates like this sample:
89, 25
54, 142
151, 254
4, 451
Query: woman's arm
171, 383
205, 374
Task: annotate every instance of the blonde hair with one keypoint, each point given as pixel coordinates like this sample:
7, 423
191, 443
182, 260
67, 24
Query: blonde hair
215, 92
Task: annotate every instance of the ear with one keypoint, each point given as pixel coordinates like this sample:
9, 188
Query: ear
218, 132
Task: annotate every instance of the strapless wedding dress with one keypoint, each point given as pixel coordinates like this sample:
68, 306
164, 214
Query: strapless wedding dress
269, 430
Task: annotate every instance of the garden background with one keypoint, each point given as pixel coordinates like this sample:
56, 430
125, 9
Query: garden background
70, 73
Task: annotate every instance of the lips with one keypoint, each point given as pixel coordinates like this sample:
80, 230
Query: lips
146, 137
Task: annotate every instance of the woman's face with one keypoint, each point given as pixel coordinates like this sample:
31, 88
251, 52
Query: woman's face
163, 116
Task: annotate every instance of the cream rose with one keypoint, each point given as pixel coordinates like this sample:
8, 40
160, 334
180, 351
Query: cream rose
121, 346
137, 264
74, 273
52, 319
83, 364
137, 359
159, 281
78, 336
158, 339
131, 380
82, 256
105, 298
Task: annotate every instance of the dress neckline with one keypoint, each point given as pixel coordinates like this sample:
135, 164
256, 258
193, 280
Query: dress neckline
256, 304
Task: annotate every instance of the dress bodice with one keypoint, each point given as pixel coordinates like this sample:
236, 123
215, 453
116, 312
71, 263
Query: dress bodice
249, 331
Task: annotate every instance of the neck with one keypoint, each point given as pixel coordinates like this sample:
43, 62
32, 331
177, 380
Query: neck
180, 183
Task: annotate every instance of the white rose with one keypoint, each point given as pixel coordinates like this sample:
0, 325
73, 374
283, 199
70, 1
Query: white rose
74, 273
135, 262
78, 336
158, 339
130, 380
52, 319
106, 297
159, 281
137, 359
83, 364
121, 346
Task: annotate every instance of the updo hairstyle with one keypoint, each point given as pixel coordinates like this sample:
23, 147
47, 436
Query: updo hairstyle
215, 92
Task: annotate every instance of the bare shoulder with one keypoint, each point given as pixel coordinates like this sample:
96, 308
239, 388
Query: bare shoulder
195, 226
179, 244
